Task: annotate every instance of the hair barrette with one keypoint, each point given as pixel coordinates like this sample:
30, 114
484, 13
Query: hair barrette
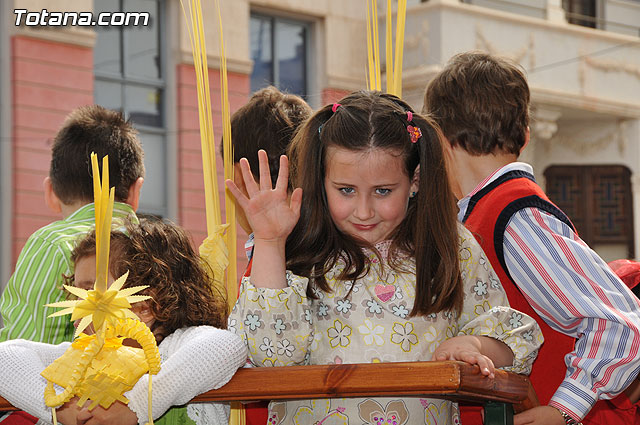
414, 131
335, 107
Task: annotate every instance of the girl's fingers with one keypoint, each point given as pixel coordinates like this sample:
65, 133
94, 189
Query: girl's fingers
486, 365
241, 199
265, 172
247, 176
441, 356
491, 367
283, 174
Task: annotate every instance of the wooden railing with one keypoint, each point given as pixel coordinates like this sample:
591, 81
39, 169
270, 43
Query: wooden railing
451, 380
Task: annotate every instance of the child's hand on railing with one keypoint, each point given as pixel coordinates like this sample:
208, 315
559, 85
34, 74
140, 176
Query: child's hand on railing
487, 353
117, 414
68, 412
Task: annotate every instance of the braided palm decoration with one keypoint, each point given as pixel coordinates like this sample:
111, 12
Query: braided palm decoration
98, 367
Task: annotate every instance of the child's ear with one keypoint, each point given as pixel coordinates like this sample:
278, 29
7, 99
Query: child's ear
133, 196
415, 180
50, 197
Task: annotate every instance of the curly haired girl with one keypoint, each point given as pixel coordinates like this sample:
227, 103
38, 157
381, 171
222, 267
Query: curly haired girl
186, 316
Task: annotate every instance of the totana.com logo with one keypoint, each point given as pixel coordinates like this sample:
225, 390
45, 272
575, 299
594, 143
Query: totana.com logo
61, 19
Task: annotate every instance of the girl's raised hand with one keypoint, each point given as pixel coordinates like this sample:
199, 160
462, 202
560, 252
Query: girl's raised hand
269, 212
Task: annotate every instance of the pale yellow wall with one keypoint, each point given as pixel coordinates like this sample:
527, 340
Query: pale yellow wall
235, 23
338, 40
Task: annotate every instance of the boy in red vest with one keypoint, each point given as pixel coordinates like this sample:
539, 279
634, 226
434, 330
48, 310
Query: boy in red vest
589, 318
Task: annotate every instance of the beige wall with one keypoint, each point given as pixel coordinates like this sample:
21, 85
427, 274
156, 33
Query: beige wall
235, 23
338, 41
338, 34
54, 5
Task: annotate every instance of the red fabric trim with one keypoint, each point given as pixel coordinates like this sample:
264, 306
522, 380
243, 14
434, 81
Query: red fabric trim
19, 418
247, 272
257, 413
628, 271
617, 411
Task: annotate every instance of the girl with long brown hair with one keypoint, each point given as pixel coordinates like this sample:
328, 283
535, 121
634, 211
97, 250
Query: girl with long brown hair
366, 263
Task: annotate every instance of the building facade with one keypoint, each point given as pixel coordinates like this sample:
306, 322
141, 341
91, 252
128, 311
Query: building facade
582, 59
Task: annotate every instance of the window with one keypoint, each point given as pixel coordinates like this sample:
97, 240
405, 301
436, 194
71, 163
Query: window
581, 12
598, 201
279, 50
129, 78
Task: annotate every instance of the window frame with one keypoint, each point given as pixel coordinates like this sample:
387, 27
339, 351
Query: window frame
159, 84
586, 175
589, 21
308, 31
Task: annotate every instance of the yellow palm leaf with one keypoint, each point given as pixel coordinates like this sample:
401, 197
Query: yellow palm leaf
86, 321
78, 292
61, 312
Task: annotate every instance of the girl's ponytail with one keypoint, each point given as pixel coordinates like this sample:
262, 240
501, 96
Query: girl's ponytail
438, 279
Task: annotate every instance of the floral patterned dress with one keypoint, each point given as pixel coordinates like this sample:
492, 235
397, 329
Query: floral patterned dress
282, 327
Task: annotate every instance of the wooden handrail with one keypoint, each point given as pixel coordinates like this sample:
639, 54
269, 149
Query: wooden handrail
451, 380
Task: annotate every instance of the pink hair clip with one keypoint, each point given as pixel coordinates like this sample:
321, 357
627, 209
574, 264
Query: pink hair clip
414, 133
335, 107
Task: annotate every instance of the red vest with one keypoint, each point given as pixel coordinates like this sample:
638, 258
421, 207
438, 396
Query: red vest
487, 216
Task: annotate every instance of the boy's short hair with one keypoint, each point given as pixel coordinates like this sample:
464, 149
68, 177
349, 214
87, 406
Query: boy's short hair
268, 121
105, 132
481, 102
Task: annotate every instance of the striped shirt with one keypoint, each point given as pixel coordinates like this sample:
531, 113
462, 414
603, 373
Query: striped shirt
38, 278
576, 293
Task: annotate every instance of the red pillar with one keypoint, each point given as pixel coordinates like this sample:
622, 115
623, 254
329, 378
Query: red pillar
49, 80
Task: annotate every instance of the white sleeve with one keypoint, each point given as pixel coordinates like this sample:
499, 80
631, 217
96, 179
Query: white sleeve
194, 360
21, 362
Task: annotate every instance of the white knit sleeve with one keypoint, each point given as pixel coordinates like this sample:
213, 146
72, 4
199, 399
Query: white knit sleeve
194, 360
21, 384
